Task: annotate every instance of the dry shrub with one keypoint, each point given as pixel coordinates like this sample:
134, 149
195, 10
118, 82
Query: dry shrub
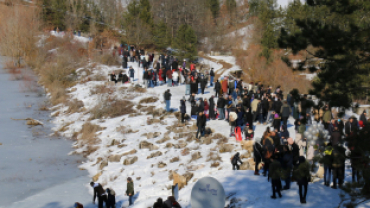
58, 94
75, 106
185, 151
175, 159
148, 100
107, 59
88, 133
101, 89
98, 77
272, 72
213, 156
112, 109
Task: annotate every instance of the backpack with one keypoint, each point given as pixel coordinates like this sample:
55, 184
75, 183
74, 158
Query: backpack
328, 151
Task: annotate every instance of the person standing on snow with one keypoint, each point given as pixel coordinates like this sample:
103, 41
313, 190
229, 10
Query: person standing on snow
131, 71
257, 153
130, 191
302, 175
201, 123
274, 174
212, 75
217, 88
167, 98
183, 109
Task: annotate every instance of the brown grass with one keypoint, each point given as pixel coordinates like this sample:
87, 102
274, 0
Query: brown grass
148, 100
112, 109
101, 89
75, 106
88, 134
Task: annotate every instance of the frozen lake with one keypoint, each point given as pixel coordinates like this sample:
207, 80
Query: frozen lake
35, 169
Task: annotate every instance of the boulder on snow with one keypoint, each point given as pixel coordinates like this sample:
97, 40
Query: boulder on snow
247, 145
147, 145
96, 177
225, 148
206, 140
195, 156
180, 145
164, 139
169, 145
154, 154
156, 134
114, 158
161, 164
103, 164
175, 159
129, 152
150, 135
130, 160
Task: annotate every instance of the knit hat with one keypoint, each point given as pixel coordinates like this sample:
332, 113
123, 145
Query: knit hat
276, 115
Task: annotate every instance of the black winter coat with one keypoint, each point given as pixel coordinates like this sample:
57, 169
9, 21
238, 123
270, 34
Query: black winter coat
201, 121
217, 86
167, 96
183, 106
211, 108
221, 102
277, 106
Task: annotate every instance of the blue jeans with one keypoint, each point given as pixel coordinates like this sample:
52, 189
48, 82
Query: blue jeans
169, 82
175, 83
211, 82
131, 79
327, 174
130, 200
221, 111
201, 131
260, 118
168, 103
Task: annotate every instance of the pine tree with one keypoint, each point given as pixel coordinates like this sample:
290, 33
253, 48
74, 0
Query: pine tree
161, 35
145, 12
342, 44
186, 42
214, 6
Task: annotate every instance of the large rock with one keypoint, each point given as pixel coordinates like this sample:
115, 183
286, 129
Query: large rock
154, 154
103, 164
206, 140
162, 165
130, 152
130, 160
225, 148
114, 158
175, 159
182, 144
96, 177
147, 145
195, 156
247, 145
150, 135
156, 134
163, 140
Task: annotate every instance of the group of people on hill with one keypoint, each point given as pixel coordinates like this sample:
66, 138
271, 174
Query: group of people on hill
245, 105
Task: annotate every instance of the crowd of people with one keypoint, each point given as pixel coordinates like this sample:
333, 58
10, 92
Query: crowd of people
245, 105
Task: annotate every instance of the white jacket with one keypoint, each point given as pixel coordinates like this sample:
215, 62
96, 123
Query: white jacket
175, 76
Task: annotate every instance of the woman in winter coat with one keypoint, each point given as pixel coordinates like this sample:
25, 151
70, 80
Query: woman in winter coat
212, 108
277, 121
160, 76
206, 107
363, 119
183, 109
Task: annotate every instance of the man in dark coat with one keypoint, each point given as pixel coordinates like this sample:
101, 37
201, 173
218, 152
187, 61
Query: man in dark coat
201, 123
131, 72
304, 106
277, 106
274, 174
100, 193
111, 202
335, 137
302, 174
203, 83
350, 127
234, 161
363, 118
183, 109
221, 108
217, 88
130, 190
194, 87
212, 108
286, 110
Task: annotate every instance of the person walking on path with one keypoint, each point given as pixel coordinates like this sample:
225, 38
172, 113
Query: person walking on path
130, 191
99, 193
167, 99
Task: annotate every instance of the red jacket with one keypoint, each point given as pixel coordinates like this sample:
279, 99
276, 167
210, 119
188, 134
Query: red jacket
169, 74
160, 75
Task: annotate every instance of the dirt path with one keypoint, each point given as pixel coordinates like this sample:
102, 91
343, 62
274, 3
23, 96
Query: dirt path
225, 65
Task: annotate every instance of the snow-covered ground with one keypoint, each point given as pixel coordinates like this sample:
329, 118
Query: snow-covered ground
228, 59
151, 180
